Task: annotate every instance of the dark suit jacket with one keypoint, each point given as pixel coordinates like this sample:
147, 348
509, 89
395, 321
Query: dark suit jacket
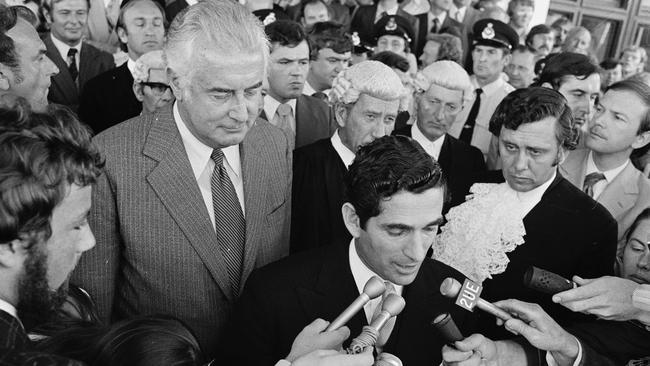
92, 62
363, 21
108, 99
173, 8
423, 31
317, 197
282, 298
606, 341
314, 120
460, 164
12, 334
157, 250
567, 233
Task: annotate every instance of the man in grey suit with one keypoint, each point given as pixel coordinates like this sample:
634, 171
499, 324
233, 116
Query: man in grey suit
195, 196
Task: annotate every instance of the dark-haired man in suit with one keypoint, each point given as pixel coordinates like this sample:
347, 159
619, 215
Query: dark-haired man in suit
437, 20
445, 91
77, 61
393, 209
303, 118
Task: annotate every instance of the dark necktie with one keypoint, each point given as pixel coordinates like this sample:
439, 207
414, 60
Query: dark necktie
468, 129
322, 96
436, 25
72, 63
229, 219
590, 180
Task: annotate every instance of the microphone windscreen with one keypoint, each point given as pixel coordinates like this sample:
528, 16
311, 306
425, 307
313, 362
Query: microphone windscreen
447, 328
545, 281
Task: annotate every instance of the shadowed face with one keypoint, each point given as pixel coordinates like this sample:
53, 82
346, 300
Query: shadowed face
636, 256
437, 110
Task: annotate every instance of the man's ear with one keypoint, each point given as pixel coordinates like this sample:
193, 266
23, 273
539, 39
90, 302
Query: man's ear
122, 35
137, 90
641, 140
561, 156
6, 75
351, 219
175, 83
506, 60
13, 253
341, 114
47, 15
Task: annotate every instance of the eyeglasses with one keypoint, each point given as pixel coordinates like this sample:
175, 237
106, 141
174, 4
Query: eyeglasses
156, 88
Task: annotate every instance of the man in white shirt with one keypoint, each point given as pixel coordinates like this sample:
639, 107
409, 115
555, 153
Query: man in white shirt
303, 118
491, 52
49, 167
392, 210
331, 49
603, 169
77, 61
444, 89
367, 98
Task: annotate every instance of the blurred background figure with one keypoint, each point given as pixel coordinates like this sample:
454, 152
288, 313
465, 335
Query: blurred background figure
395, 34
633, 59
521, 13
541, 39
440, 47
561, 27
521, 69
578, 40
610, 72
150, 83
314, 11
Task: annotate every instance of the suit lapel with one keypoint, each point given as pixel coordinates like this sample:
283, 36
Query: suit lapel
86, 62
62, 81
333, 168
175, 184
621, 194
12, 334
445, 157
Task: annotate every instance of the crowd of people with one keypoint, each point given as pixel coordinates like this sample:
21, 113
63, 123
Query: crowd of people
206, 182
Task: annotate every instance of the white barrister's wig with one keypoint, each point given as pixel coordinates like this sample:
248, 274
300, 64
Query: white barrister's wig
368, 77
146, 62
447, 74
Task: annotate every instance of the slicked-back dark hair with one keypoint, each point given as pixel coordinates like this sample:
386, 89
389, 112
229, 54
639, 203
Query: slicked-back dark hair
534, 104
386, 166
41, 155
642, 90
328, 35
8, 54
560, 65
285, 33
392, 60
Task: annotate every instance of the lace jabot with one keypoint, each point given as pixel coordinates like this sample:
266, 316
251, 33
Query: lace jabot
480, 232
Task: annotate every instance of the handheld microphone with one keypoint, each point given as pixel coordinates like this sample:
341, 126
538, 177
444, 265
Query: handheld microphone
387, 359
392, 305
373, 288
468, 297
545, 281
447, 328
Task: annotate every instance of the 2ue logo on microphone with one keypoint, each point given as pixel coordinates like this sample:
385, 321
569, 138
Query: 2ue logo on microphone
469, 295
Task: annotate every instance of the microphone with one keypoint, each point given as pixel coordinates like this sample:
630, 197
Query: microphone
447, 328
468, 297
373, 288
387, 359
545, 281
392, 305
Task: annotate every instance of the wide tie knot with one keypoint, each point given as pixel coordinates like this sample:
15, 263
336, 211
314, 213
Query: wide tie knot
72, 52
285, 110
590, 180
478, 91
217, 157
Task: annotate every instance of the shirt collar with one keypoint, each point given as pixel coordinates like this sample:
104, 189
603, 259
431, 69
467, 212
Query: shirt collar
130, 64
199, 154
271, 106
610, 175
391, 11
63, 48
361, 273
454, 9
490, 88
308, 90
441, 17
535, 195
346, 155
8, 308
431, 147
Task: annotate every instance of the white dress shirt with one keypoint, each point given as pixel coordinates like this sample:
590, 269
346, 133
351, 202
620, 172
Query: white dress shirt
346, 155
441, 19
610, 175
431, 147
308, 89
528, 200
271, 106
8, 308
362, 275
130, 64
457, 14
202, 165
64, 48
493, 94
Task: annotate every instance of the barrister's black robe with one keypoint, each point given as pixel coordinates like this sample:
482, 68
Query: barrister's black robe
317, 197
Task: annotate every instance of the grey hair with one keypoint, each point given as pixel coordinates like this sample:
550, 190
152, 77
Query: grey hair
450, 75
222, 26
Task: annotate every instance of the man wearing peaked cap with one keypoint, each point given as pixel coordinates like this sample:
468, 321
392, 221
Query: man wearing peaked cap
491, 47
393, 33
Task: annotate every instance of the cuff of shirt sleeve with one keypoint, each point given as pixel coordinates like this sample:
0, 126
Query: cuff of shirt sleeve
551, 361
641, 301
283, 363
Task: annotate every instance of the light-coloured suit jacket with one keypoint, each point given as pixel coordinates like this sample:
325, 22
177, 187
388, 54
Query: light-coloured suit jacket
625, 197
157, 250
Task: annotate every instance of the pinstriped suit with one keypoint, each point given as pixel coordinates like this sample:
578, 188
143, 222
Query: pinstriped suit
157, 251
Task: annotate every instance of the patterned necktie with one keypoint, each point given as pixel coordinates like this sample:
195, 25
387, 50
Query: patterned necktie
590, 181
229, 219
387, 329
72, 63
284, 120
468, 129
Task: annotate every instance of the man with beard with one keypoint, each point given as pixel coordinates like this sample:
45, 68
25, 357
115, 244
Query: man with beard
47, 169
